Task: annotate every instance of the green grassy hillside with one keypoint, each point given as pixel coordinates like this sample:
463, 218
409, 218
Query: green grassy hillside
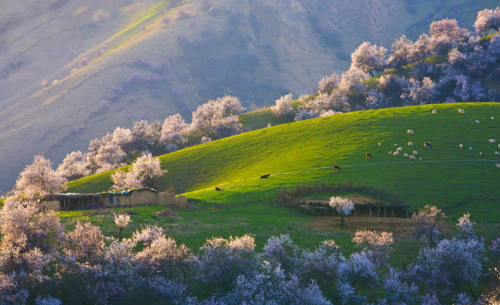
257, 50
456, 180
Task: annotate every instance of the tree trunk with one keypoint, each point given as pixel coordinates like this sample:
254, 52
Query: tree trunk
342, 220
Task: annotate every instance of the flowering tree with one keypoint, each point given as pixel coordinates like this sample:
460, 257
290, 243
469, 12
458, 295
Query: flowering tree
355, 274
401, 52
73, 166
123, 137
109, 156
427, 223
126, 180
121, 221
219, 116
352, 82
283, 106
85, 244
420, 93
147, 168
487, 20
173, 129
329, 83
39, 179
377, 246
145, 134
419, 49
445, 35
368, 57
343, 206
205, 139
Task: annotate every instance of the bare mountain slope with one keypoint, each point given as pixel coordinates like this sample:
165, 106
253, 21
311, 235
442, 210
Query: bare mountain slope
120, 61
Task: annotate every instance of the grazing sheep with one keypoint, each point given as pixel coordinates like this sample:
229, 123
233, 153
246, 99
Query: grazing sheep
461, 111
498, 165
379, 144
477, 121
497, 153
410, 131
217, 189
336, 168
265, 176
395, 144
434, 111
480, 153
498, 145
368, 156
470, 148
492, 118
410, 143
390, 153
492, 141
427, 144
400, 149
412, 158
405, 155
420, 158
461, 146
396, 153
415, 152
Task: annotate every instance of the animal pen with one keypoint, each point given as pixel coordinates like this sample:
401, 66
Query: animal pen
64, 202
321, 207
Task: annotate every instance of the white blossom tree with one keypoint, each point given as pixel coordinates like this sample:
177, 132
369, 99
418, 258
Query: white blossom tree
445, 35
126, 180
368, 57
352, 81
147, 168
173, 129
39, 179
283, 106
376, 245
122, 221
401, 52
74, 166
329, 83
420, 48
343, 206
428, 224
487, 19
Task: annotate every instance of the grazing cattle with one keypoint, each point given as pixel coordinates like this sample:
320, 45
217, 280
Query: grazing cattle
217, 188
461, 111
409, 131
410, 143
434, 111
461, 146
415, 152
336, 168
265, 176
427, 144
412, 158
368, 156
498, 165
492, 141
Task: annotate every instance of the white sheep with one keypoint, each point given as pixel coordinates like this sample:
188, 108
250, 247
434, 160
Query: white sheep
395, 144
406, 155
480, 153
492, 141
410, 131
412, 158
410, 143
497, 153
415, 152
461, 146
396, 153
477, 121
379, 144
498, 165
390, 153
400, 149
420, 158
470, 148
492, 118
434, 111
498, 145
461, 111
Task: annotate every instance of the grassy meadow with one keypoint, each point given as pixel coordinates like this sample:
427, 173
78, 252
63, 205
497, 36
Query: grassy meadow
455, 180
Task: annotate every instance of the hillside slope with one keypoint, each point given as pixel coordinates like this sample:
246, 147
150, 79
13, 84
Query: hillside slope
254, 49
305, 151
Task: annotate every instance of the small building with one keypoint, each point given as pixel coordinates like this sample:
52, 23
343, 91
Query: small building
113, 199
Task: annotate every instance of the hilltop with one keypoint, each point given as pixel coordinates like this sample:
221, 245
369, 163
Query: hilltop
90, 48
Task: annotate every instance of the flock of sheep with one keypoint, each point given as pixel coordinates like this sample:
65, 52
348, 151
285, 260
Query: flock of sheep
429, 145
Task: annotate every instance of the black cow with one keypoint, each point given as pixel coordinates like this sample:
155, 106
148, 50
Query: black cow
427, 144
368, 156
217, 188
336, 168
265, 176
